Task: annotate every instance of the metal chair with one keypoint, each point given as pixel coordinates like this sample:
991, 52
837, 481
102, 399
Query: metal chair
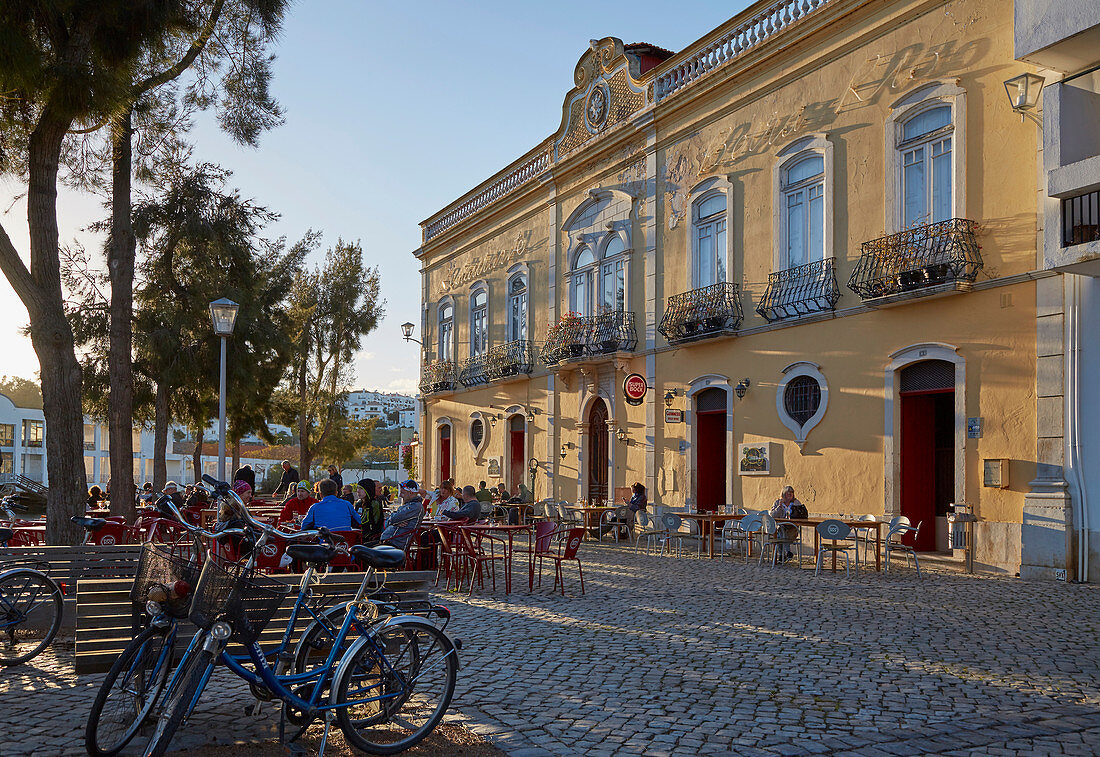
652, 532
899, 527
779, 536
864, 535
568, 516
615, 521
672, 523
834, 534
734, 534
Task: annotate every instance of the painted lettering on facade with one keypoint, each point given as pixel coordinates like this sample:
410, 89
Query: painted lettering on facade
479, 265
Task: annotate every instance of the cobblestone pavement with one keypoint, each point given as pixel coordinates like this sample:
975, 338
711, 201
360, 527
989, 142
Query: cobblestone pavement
688, 656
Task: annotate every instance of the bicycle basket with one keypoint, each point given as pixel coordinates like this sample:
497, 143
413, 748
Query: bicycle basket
158, 565
246, 600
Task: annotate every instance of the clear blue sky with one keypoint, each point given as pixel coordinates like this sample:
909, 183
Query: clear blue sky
393, 110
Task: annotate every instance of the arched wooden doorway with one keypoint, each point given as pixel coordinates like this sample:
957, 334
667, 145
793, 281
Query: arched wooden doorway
444, 452
597, 452
927, 475
711, 472
516, 452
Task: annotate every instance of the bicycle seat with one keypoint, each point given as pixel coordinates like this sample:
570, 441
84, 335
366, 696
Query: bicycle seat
6, 534
378, 557
316, 554
89, 524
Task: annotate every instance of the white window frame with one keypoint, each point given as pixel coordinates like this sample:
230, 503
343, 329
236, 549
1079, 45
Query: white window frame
445, 347
590, 274
479, 288
618, 261
795, 370
525, 302
913, 103
791, 154
603, 214
709, 223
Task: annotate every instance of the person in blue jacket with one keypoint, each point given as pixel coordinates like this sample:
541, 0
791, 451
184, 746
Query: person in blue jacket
332, 512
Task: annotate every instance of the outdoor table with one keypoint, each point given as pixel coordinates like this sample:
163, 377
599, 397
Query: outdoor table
510, 531
854, 524
592, 516
709, 523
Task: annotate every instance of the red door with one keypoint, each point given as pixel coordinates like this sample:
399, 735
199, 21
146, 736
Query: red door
918, 479
597, 452
710, 490
515, 453
444, 453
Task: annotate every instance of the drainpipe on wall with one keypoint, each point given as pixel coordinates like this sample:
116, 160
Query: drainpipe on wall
1073, 418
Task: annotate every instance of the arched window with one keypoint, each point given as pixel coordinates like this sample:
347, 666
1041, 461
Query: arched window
709, 239
803, 198
479, 322
446, 331
613, 276
925, 155
583, 281
517, 308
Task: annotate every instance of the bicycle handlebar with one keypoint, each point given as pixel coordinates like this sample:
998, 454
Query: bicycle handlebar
167, 506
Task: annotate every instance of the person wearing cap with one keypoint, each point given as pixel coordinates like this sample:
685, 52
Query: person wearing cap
246, 474
298, 505
172, 489
332, 512
289, 480
402, 523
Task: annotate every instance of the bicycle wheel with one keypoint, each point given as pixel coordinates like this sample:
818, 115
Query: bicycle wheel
30, 614
396, 685
129, 693
183, 693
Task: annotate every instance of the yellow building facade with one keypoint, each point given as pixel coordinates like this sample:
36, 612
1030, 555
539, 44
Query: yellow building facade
812, 233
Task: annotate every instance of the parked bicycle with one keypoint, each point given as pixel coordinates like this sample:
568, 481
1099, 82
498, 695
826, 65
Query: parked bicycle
387, 690
31, 603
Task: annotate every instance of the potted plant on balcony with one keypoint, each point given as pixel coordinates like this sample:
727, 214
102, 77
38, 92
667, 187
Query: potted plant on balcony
566, 336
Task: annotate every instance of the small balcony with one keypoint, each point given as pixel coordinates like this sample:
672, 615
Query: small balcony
473, 371
800, 291
438, 377
702, 313
510, 359
924, 260
577, 337
1081, 219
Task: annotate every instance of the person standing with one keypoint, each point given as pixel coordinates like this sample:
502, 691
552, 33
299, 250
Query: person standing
334, 474
289, 479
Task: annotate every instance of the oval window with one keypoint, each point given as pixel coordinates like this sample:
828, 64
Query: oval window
477, 432
802, 398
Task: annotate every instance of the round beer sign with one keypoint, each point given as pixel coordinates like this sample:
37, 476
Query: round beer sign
634, 388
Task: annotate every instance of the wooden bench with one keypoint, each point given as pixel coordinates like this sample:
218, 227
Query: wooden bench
105, 615
88, 563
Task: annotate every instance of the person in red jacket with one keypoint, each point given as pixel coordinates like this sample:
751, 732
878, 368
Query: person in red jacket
298, 505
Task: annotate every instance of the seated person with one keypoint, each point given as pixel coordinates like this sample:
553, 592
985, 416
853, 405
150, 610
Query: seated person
502, 493
401, 524
332, 512
470, 510
95, 498
483, 494
782, 510
172, 490
298, 505
443, 499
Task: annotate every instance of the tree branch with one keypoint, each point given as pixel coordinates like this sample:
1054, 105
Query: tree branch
15, 269
193, 52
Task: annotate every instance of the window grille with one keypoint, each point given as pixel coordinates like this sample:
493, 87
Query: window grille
802, 398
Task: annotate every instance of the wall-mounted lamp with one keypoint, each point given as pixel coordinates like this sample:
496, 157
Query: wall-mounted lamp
407, 333
493, 419
620, 435
531, 413
416, 437
1023, 91
668, 398
741, 388
564, 447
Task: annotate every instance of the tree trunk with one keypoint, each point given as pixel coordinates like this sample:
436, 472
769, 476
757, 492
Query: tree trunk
196, 456
160, 436
121, 251
52, 337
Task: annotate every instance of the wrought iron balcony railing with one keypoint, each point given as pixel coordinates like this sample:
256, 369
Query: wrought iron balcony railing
701, 313
473, 371
438, 377
578, 337
510, 359
804, 289
918, 258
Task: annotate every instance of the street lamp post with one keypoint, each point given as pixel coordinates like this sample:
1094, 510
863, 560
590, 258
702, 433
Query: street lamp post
223, 313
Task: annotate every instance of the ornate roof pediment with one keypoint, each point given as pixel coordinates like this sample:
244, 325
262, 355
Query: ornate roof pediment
609, 89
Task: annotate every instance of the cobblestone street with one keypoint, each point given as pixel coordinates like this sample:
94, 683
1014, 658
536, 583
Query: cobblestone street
688, 656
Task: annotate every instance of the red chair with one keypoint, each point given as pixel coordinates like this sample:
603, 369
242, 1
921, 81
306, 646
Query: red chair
560, 546
343, 560
269, 557
473, 544
454, 559
113, 532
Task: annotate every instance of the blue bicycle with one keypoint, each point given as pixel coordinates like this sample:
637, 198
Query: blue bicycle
31, 602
